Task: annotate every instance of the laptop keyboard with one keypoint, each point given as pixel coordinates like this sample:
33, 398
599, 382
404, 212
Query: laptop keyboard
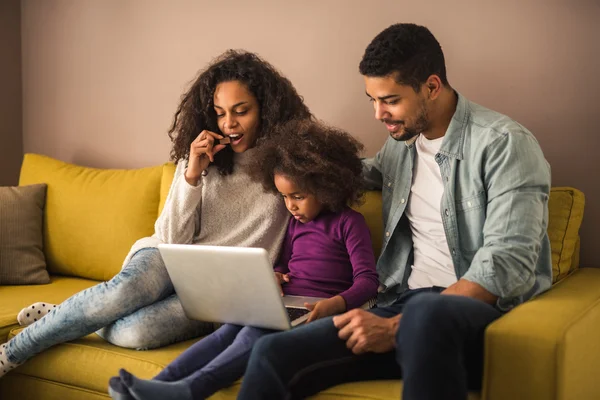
294, 313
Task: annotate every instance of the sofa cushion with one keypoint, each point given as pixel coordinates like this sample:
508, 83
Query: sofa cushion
565, 210
22, 259
14, 298
93, 216
165, 183
371, 210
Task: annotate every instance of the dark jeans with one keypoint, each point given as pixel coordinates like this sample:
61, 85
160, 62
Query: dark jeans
439, 352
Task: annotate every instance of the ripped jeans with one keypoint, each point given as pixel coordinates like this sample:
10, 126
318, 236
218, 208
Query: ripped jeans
137, 308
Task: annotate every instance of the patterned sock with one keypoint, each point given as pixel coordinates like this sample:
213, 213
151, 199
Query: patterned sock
142, 389
34, 312
5, 365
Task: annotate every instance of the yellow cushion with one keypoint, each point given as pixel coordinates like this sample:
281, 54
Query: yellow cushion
95, 361
565, 209
14, 298
23, 387
92, 216
371, 210
165, 183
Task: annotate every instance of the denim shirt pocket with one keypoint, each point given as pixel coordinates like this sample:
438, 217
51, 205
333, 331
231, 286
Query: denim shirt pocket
470, 219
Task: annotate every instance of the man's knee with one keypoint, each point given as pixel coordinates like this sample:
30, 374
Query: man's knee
423, 314
266, 345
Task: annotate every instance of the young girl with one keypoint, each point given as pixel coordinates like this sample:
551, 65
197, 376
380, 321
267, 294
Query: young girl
326, 253
238, 97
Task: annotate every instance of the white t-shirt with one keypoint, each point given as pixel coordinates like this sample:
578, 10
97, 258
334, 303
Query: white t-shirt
432, 262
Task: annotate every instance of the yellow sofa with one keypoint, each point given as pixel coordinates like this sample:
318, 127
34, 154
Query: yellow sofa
547, 348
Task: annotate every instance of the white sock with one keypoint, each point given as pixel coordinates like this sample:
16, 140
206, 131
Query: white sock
34, 312
5, 365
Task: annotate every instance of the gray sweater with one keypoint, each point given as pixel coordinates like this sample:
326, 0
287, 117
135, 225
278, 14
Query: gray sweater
221, 210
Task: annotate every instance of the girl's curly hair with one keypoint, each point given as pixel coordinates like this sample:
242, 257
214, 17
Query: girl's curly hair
277, 99
320, 159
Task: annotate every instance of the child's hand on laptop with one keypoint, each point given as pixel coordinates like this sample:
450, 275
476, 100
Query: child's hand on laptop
281, 278
325, 308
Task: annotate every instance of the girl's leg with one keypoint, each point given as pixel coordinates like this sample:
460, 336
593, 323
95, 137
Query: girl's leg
200, 354
190, 361
156, 325
143, 281
221, 372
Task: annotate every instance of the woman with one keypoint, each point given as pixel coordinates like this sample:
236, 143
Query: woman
233, 106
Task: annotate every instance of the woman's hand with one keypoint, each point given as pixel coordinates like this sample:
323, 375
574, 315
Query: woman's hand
280, 279
325, 308
202, 152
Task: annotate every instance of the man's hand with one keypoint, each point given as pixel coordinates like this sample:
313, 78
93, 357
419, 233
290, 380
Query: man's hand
325, 308
281, 278
365, 332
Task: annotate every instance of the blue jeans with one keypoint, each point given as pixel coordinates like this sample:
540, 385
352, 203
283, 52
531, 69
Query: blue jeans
439, 352
216, 361
136, 309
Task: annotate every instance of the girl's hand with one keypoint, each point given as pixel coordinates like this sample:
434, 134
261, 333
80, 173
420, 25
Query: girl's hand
281, 278
325, 308
202, 152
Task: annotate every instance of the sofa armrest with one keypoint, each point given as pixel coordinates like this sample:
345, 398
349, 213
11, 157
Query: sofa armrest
548, 348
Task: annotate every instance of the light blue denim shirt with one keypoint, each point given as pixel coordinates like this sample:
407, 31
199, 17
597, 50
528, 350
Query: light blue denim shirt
494, 208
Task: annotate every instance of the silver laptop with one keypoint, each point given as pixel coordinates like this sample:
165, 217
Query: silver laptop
231, 285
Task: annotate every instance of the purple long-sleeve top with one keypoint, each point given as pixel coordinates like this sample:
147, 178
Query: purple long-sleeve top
330, 255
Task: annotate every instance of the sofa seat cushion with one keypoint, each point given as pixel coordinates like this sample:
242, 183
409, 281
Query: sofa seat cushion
368, 390
14, 298
88, 363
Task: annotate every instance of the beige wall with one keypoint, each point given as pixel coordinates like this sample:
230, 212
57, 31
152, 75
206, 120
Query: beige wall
11, 137
102, 78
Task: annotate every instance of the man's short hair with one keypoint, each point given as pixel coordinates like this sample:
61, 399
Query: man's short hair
408, 52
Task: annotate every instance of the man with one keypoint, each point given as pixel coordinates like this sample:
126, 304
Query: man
465, 211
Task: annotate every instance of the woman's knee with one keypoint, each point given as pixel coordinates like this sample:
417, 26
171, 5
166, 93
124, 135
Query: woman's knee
144, 276
131, 338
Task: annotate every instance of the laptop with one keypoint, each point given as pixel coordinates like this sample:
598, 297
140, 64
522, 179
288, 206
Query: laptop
231, 285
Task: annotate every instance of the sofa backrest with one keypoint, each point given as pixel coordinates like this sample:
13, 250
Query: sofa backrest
93, 216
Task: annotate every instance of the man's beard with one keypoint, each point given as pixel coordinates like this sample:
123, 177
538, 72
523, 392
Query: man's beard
404, 132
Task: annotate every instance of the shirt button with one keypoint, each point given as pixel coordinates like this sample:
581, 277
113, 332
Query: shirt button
469, 204
387, 234
402, 201
447, 212
389, 184
205, 172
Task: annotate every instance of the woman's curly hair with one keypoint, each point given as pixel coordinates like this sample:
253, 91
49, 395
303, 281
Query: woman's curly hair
277, 99
320, 159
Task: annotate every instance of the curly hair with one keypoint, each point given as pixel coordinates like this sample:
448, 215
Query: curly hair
409, 51
321, 160
277, 99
